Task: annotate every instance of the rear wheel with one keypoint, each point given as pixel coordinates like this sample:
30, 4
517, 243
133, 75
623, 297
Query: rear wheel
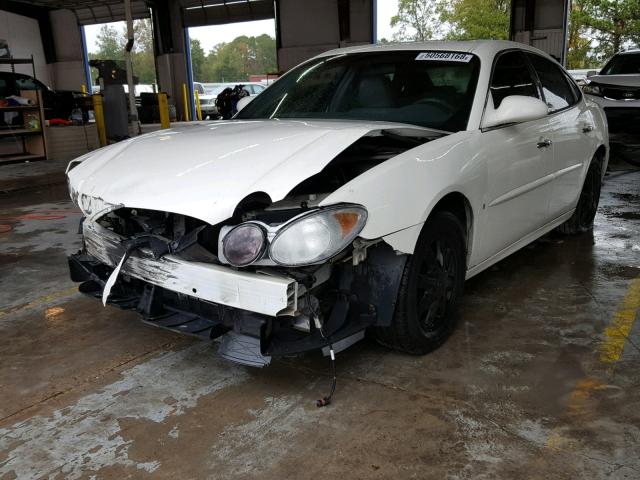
582, 218
431, 286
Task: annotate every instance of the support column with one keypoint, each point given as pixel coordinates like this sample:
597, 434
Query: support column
171, 52
336, 23
542, 24
133, 112
67, 72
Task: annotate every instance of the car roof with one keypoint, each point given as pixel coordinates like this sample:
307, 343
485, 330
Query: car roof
482, 48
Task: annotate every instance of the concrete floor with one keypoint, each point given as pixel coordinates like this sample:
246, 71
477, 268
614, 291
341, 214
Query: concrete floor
541, 380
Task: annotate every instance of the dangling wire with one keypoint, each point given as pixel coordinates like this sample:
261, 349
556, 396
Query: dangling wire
324, 401
327, 400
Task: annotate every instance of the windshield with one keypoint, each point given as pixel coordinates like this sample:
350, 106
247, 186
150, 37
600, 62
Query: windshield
623, 65
429, 89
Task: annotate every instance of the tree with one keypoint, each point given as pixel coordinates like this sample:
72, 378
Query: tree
236, 60
477, 19
266, 58
600, 28
579, 45
226, 62
228, 66
198, 59
417, 20
457, 19
614, 24
142, 57
111, 43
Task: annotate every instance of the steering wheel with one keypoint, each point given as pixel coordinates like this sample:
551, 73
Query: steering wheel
438, 103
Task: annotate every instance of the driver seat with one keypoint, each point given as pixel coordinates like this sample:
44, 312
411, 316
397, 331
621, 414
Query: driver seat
375, 91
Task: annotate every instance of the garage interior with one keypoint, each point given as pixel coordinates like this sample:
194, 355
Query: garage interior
541, 378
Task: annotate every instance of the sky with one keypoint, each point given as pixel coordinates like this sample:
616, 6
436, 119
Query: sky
212, 35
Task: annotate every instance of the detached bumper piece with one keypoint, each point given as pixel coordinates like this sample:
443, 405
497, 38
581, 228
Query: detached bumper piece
159, 307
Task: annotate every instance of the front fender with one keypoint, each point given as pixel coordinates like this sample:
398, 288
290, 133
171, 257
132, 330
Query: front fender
400, 193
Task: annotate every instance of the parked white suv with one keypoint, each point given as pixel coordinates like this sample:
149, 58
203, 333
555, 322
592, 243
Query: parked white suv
617, 89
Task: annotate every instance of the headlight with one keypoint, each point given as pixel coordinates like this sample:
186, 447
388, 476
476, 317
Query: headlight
244, 244
592, 89
317, 236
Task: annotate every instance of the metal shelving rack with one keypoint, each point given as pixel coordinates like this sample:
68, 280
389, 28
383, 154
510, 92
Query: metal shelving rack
19, 143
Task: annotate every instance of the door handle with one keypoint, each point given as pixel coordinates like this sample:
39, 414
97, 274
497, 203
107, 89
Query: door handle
544, 143
587, 128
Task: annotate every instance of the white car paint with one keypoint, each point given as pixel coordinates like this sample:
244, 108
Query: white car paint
250, 156
516, 190
628, 80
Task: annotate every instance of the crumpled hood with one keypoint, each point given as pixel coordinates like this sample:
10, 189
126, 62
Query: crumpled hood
205, 169
616, 80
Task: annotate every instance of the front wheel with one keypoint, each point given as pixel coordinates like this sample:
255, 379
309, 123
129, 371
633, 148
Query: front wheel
430, 288
582, 218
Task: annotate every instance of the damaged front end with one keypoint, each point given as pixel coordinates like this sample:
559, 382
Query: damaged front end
175, 274
276, 278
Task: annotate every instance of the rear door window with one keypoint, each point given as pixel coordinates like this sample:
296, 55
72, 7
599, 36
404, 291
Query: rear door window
511, 76
555, 86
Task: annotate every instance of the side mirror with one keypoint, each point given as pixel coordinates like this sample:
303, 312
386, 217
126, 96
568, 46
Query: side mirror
591, 73
243, 102
514, 109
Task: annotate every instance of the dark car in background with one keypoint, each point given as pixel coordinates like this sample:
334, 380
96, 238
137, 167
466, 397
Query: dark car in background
57, 103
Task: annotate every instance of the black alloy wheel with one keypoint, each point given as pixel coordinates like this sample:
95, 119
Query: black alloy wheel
430, 289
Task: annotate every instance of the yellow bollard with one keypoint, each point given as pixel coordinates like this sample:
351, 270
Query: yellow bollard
83, 88
198, 109
185, 99
98, 111
163, 106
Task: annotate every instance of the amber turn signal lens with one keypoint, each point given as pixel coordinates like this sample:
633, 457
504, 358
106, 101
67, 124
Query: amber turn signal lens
347, 221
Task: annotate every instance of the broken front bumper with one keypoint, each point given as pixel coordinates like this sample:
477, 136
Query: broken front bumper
257, 314
259, 293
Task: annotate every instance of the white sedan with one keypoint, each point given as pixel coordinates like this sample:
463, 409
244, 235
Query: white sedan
356, 193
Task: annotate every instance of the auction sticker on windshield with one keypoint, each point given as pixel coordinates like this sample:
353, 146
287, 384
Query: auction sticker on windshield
445, 56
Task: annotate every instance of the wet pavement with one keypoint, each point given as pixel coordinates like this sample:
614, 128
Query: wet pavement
540, 380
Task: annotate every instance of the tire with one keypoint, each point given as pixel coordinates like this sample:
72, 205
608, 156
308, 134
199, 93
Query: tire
430, 288
582, 218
